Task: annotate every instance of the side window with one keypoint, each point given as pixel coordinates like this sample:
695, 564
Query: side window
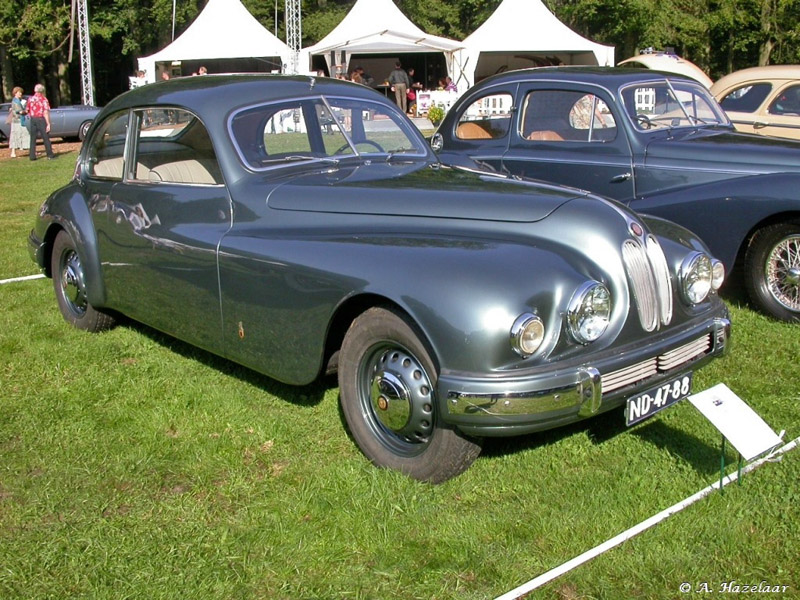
566, 116
107, 148
787, 102
173, 146
487, 118
746, 99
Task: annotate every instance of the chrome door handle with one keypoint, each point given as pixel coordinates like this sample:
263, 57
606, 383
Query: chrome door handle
620, 178
759, 124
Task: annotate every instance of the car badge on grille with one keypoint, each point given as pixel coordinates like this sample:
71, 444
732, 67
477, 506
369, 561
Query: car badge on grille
636, 229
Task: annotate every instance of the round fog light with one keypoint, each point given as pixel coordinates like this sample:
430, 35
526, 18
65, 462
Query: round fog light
527, 334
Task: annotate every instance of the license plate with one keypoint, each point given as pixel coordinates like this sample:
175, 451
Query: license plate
658, 398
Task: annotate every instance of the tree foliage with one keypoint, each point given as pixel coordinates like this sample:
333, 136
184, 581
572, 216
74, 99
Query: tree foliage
718, 35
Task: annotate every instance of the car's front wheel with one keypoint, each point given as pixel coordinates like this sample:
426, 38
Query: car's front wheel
387, 384
69, 282
772, 270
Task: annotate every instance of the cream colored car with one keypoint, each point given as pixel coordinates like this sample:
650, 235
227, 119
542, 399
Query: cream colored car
763, 100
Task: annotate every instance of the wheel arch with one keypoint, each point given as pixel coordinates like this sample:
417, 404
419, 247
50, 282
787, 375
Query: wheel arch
348, 311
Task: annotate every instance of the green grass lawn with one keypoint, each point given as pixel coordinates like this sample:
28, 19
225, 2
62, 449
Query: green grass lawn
135, 466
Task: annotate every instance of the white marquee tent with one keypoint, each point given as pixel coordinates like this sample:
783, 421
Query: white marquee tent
224, 29
524, 33
378, 27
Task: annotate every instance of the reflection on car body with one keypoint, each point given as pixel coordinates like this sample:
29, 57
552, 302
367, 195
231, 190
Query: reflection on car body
659, 143
308, 227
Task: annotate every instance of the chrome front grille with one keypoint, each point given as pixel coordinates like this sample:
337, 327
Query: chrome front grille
658, 364
651, 286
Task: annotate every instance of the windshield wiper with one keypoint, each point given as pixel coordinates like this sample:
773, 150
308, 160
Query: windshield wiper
301, 157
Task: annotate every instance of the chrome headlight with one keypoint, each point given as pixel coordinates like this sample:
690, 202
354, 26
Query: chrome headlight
589, 312
717, 274
696, 276
527, 334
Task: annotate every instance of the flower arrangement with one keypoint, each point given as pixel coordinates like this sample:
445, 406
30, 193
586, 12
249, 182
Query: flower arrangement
435, 114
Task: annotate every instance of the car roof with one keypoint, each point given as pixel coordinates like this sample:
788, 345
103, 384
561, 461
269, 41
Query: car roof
608, 77
772, 72
669, 63
206, 93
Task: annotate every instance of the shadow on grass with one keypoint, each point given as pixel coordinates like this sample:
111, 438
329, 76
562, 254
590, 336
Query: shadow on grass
696, 452
703, 457
598, 429
306, 395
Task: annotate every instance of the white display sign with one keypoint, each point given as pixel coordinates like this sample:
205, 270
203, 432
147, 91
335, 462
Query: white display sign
737, 422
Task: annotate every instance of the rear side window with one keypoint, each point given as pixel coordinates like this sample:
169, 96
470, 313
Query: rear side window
487, 118
747, 98
787, 102
107, 148
173, 146
566, 116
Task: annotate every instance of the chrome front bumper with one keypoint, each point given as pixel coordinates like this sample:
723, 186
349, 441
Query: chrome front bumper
511, 406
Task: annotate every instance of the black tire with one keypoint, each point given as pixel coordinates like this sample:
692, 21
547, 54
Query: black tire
772, 270
70, 287
387, 384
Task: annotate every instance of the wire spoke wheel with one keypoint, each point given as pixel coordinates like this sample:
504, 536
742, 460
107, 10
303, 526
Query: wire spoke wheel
783, 272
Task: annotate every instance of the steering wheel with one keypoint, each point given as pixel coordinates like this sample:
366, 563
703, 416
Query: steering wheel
376, 145
644, 121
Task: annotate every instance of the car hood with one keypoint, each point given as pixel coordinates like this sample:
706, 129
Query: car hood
741, 152
419, 190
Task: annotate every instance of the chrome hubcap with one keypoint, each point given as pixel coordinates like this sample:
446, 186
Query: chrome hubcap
401, 396
783, 272
72, 282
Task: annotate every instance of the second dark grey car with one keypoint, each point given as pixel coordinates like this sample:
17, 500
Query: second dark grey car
655, 141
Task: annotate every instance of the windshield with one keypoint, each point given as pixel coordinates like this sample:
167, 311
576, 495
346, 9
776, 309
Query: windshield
655, 105
322, 129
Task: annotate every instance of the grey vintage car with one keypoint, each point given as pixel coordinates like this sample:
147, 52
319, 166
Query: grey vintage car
658, 142
298, 225
69, 122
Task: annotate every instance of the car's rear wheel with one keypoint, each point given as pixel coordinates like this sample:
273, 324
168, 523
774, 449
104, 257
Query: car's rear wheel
387, 384
772, 270
69, 282
84, 130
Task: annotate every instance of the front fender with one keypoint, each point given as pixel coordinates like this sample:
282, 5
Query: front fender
724, 213
68, 209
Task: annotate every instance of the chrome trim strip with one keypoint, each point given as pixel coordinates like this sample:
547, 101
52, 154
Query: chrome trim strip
587, 388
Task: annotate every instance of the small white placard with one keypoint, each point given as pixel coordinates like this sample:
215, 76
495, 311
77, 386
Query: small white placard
739, 423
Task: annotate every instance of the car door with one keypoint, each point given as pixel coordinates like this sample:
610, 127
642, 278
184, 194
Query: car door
781, 114
568, 134
746, 104
482, 129
159, 223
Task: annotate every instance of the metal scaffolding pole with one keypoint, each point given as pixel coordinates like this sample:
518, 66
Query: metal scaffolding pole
87, 87
294, 32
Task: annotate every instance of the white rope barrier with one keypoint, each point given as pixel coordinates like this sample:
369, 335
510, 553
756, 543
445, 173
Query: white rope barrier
637, 529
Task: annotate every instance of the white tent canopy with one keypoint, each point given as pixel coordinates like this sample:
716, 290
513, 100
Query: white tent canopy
378, 27
524, 33
224, 29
